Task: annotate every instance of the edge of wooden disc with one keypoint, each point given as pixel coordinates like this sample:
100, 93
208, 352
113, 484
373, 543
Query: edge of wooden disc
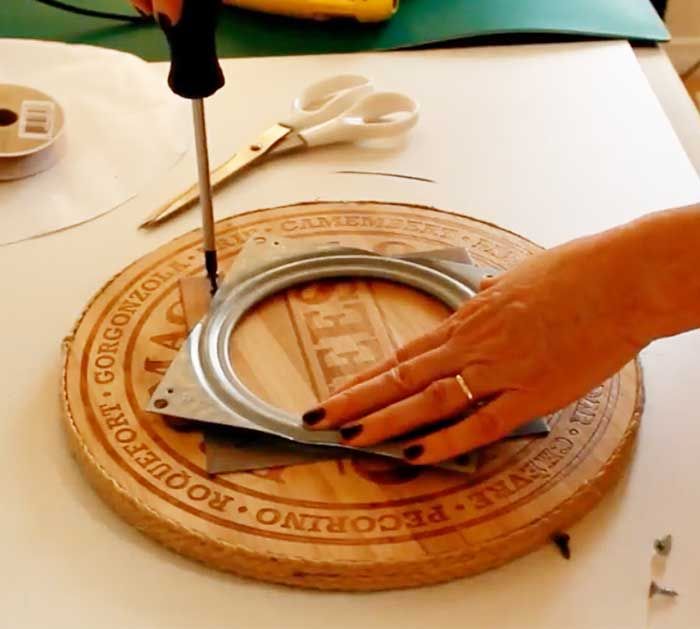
361, 576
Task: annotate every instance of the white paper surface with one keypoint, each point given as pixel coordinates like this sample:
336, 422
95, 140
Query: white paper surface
623, 161
123, 130
509, 134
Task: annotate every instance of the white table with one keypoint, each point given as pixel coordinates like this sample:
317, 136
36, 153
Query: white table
673, 97
68, 561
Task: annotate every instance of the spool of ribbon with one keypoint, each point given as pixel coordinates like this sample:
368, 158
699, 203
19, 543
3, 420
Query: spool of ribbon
31, 131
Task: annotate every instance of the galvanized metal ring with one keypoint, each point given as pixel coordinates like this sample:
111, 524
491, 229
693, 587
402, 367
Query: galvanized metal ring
212, 358
202, 384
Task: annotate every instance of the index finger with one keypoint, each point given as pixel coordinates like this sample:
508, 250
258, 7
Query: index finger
401, 381
410, 350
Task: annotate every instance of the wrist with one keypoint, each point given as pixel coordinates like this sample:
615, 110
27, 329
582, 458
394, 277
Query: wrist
654, 261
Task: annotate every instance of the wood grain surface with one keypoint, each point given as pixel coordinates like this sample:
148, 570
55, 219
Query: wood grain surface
356, 523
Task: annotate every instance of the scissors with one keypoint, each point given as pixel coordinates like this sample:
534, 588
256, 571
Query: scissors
343, 108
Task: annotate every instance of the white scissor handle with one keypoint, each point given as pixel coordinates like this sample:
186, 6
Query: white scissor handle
327, 99
377, 115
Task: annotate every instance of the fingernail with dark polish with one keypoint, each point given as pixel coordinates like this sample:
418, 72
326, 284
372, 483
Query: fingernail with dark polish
413, 452
350, 432
313, 416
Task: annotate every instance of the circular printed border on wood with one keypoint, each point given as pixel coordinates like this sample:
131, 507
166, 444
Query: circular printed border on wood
348, 524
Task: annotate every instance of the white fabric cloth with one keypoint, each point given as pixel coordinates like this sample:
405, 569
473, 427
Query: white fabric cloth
124, 129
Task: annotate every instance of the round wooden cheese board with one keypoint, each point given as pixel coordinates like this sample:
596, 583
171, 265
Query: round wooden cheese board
357, 523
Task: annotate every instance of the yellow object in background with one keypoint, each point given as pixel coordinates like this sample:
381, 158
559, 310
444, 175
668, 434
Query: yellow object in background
361, 10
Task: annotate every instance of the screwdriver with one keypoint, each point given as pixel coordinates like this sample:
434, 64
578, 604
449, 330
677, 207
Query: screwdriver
195, 74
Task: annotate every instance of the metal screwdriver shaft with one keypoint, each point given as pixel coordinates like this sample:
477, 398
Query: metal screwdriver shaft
200, 137
195, 74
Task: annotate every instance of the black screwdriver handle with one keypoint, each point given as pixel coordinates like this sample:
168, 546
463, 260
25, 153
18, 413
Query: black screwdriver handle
194, 66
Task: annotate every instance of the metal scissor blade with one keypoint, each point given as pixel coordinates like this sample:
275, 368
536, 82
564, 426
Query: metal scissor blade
292, 142
242, 159
251, 153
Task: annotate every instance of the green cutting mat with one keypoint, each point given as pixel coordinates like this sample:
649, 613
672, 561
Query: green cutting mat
418, 22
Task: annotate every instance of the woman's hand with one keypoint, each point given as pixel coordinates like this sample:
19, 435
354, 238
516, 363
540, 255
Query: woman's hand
171, 8
535, 339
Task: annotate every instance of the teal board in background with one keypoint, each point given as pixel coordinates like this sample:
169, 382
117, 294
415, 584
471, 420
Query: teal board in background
418, 22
